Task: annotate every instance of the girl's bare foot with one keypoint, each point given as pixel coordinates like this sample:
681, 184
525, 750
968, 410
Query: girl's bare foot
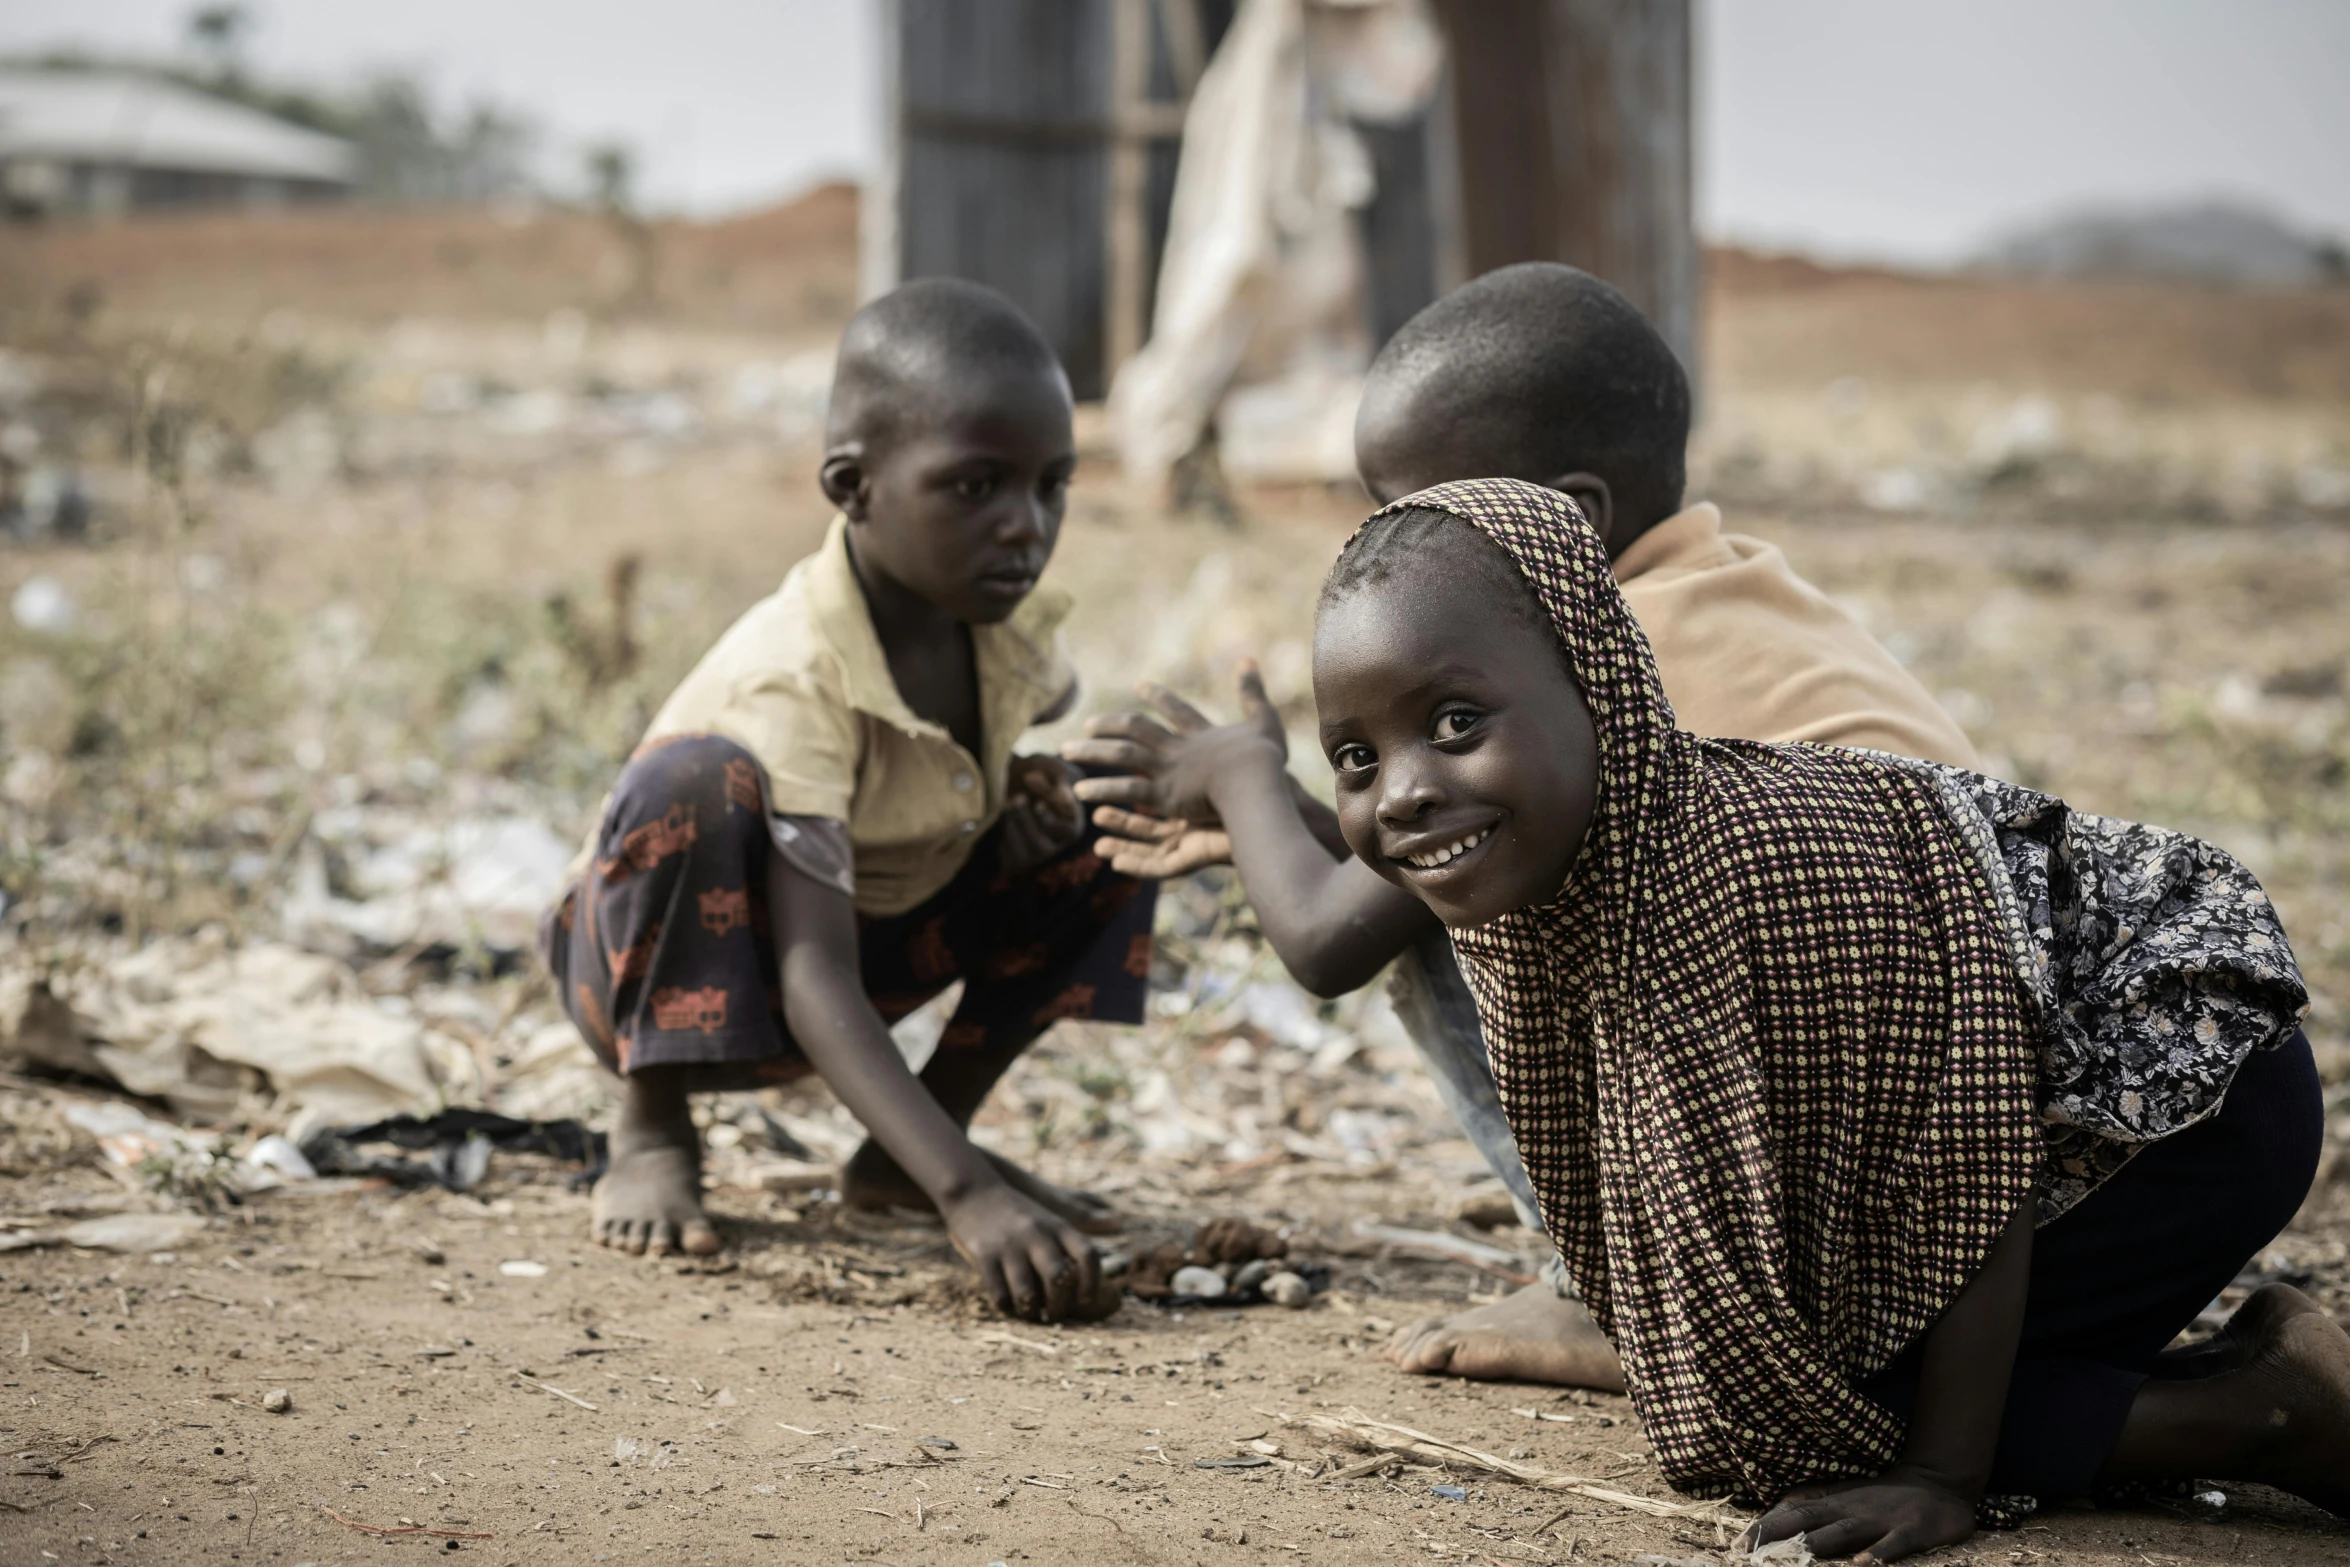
2300, 1370
1535, 1335
872, 1179
2281, 1418
650, 1200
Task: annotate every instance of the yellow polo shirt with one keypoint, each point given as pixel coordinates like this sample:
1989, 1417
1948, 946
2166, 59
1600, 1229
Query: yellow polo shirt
801, 682
1748, 650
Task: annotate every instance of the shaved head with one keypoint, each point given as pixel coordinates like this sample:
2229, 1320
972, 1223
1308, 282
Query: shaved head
924, 348
1530, 372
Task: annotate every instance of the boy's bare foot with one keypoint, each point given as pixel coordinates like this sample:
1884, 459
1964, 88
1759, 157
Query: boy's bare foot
1535, 1335
872, 1179
650, 1200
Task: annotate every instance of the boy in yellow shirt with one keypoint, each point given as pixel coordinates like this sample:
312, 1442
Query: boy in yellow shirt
826, 824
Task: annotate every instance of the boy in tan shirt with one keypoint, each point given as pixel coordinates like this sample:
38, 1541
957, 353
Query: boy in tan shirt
826, 824
1542, 373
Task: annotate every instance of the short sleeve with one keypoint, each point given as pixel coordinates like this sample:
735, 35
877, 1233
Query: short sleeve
818, 848
804, 737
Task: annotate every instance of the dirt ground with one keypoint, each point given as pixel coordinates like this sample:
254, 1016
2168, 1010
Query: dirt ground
364, 488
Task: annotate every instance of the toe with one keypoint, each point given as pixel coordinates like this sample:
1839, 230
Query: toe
660, 1238
633, 1239
698, 1238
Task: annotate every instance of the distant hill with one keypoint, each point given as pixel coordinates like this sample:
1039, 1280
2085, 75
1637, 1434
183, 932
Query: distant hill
2210, 241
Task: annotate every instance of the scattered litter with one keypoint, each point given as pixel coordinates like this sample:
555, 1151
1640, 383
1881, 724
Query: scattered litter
522, 1268
1233, 1461
1790, 1552
134, 1232
208, 1027
277, 1401
1451, 1493
475, 881
45, 606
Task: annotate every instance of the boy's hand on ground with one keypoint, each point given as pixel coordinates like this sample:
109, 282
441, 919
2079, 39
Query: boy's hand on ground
1032, 1264
1155, 848
1172, 758
1900, 1513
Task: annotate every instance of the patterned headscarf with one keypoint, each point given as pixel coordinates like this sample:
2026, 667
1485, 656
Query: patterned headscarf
1769, 1058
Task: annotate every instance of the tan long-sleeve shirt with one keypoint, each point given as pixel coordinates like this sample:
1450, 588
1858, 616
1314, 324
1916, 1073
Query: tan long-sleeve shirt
1748, 650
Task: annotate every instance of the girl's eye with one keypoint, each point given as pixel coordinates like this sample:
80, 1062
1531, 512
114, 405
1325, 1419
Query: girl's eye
1453, 725
1352, 758
975, 489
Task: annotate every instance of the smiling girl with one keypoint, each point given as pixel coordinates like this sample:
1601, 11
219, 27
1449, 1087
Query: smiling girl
1892, 1119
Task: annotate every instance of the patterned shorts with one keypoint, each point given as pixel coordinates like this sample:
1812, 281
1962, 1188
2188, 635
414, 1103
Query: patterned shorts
663, 956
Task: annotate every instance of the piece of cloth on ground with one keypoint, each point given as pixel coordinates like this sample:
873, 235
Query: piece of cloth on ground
663, 955
2132, 1264
1775, 1054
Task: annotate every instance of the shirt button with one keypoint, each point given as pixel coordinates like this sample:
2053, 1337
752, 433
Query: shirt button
964, 781
970, 827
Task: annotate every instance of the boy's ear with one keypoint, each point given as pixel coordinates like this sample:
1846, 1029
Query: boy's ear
844, 481
1590, 492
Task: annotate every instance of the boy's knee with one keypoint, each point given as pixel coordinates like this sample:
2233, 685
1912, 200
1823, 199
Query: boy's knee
697, 770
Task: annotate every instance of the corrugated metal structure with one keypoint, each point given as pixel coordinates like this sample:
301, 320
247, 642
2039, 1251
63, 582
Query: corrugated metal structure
1031, 145
102, 143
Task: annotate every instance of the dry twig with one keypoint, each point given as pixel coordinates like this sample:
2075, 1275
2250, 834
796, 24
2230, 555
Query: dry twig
411, 1528
1362, 1431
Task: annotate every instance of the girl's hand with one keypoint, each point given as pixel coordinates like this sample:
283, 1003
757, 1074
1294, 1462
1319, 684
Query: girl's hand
1172, 758
1041, 817
1900, 1513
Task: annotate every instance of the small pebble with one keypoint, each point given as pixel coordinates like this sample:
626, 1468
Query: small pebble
1250, 1276
1287, 1289
2209, 1505
277, 1401
429, 1254
1200, 1283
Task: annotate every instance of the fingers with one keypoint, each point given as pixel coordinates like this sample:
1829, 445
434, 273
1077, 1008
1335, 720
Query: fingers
1789, 1518
1893, 1547
1253, 700
1845, 1536
1186, 718
1135, 825
1123, 755
1141, 728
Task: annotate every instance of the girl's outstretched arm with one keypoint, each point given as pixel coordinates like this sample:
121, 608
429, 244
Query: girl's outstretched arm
1928, 1498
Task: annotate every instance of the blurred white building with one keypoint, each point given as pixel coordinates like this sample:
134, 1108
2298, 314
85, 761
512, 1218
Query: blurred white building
103, 144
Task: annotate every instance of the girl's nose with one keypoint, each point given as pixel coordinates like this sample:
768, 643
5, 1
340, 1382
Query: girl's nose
1408, 791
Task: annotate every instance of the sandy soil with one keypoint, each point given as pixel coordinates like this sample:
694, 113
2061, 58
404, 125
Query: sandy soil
775, 1406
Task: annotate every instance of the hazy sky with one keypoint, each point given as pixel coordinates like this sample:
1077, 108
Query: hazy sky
1907, 129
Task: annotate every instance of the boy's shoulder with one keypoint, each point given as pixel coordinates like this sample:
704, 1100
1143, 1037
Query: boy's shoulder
815, 636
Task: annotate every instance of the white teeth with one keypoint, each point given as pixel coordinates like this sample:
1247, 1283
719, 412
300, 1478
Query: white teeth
1450, 851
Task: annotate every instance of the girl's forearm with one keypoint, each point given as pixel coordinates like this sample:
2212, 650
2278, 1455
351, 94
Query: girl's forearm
1332, 921
1970, 1354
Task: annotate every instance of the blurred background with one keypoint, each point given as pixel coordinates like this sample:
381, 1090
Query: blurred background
395, 401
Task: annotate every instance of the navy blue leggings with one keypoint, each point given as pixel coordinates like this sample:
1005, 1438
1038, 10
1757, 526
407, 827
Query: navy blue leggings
2118, 1276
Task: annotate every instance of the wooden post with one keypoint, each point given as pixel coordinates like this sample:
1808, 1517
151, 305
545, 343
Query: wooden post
1573, 118
1125, 322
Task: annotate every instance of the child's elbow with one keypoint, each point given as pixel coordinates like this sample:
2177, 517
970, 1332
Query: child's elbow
1329, 975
